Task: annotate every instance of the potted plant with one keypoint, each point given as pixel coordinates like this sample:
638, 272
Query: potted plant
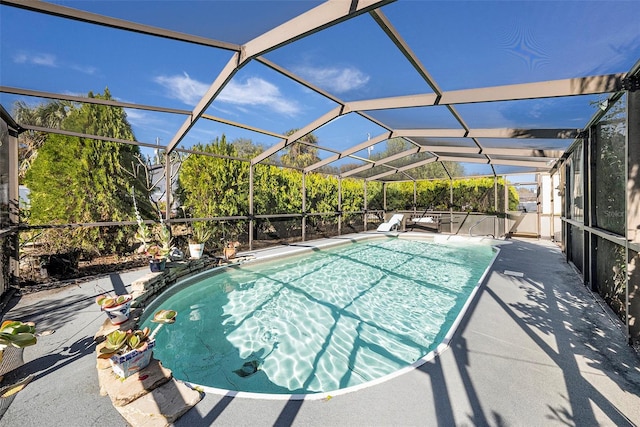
143, 233
157, 261
117, 308
159, 252
200, 234
17, 334
130, 351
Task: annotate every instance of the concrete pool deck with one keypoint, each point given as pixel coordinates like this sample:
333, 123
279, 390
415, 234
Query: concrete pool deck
532, 350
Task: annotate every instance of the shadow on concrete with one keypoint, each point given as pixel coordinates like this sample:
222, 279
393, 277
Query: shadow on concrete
51, 362
556, 304
571, 315
54, 310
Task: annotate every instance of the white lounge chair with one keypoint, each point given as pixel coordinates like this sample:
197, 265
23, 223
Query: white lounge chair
394, 222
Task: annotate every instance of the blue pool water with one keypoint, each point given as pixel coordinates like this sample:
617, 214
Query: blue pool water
319, 322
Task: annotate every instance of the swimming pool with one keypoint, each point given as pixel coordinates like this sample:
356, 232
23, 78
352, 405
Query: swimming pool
326, 320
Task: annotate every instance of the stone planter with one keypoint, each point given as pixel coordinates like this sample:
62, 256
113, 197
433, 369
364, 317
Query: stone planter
129, 363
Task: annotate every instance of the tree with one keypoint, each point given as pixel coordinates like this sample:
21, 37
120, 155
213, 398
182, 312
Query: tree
246, 149
394, 146
302, 152
322, 193
428, 171
48, 115
437, 170
277, 190
81, 180
211, 186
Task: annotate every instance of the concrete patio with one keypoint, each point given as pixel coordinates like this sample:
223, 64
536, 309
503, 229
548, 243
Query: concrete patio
532, 350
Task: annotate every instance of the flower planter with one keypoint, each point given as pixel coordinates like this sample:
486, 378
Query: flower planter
129, 363
157, 265
119, 313
196, 250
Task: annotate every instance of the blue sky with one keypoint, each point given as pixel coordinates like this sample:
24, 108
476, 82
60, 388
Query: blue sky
461, 44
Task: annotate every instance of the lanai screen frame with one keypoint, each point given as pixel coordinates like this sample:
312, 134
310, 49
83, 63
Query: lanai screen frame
584, 228
325, 15
333, 13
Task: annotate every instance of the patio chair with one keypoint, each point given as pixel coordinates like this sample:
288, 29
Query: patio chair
393, 223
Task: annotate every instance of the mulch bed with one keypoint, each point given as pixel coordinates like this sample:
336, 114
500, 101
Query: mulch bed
31, 281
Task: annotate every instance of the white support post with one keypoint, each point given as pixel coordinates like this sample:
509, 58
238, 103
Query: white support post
415, 197
496, 222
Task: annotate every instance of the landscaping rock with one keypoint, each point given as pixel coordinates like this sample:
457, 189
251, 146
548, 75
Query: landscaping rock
162, 406
124, 391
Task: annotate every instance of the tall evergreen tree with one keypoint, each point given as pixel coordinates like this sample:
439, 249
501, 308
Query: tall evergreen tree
215, 186
79, 180
48, 115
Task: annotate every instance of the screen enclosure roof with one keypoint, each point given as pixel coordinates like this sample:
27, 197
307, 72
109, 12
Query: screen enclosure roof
384, 88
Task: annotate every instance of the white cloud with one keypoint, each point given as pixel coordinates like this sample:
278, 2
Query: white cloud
339, 80
50, 60
183, 88
257, 92
136, 117
253, 91
44, 59
86, 69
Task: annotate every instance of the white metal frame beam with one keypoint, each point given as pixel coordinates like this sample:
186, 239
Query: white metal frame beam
327, 14
348, 152
87, 100
524, 163
591, 85
93, 18
322, 16
326, 118
402, 169
316, 19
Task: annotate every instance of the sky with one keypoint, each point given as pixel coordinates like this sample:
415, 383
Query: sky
461, 44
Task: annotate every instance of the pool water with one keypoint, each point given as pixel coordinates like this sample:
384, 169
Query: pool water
319, 322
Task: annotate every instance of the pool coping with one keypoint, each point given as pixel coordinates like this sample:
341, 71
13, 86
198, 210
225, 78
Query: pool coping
270, 254
531, 347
